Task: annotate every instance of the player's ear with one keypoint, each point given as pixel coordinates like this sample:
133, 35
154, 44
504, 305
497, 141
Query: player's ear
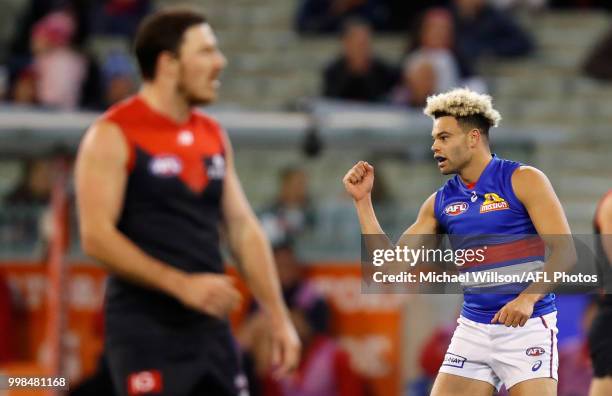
474, 137
167, 64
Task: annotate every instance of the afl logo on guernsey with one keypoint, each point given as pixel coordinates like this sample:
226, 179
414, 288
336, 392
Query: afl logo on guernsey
165, 165
456, 208
493, 202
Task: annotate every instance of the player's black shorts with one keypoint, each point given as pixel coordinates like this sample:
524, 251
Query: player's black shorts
600, 343
176, 361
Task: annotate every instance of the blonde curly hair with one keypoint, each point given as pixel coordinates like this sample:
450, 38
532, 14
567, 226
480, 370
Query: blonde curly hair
462, 102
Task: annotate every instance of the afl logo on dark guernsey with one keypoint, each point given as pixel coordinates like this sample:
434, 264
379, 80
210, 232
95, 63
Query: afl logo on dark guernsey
456, 208
165, 165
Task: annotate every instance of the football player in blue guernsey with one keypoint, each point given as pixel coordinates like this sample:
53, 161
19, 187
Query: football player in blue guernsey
500, 338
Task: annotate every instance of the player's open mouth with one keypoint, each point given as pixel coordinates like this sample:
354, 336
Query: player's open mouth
441, 160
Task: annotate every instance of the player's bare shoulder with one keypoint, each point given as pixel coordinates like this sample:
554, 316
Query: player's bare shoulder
528, 180
526, 173
604, 214
428, 206
103, 141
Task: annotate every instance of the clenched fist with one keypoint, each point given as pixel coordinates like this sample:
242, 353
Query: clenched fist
359, 180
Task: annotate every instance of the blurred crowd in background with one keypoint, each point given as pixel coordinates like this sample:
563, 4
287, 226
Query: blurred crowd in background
51, 59
50, 62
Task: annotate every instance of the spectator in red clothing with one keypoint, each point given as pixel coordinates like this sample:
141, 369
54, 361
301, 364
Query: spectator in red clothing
325, 368
431, 358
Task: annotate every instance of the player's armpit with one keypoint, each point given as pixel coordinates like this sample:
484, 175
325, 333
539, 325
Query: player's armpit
423, 232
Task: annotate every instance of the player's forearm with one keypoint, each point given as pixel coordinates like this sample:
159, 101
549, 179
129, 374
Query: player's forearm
254, 255
606, 241
562, 258
373, 237
367, 217
123, 257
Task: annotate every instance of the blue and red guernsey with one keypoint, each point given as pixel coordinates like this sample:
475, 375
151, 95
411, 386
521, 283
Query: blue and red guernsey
488, 213
171, 208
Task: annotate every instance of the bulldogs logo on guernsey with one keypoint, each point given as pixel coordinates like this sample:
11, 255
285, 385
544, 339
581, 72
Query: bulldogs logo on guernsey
493, 202
489, 214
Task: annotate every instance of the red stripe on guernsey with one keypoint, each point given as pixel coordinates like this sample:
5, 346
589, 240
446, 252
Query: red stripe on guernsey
544, 322
513, 251
470, 185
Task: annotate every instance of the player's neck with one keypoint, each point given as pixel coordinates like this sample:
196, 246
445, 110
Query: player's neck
166, 101
472, 171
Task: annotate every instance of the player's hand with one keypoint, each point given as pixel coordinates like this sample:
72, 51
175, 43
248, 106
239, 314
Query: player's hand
516, 312
286, 348
213, 294
359, 180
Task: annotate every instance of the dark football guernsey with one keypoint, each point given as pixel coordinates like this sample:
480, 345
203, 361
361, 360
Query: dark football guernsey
605, 270
172, 208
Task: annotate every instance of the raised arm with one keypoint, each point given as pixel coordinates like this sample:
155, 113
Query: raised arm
101, 178
358, 182
252, 252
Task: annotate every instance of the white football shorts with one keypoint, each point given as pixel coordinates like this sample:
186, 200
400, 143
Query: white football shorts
498, 354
